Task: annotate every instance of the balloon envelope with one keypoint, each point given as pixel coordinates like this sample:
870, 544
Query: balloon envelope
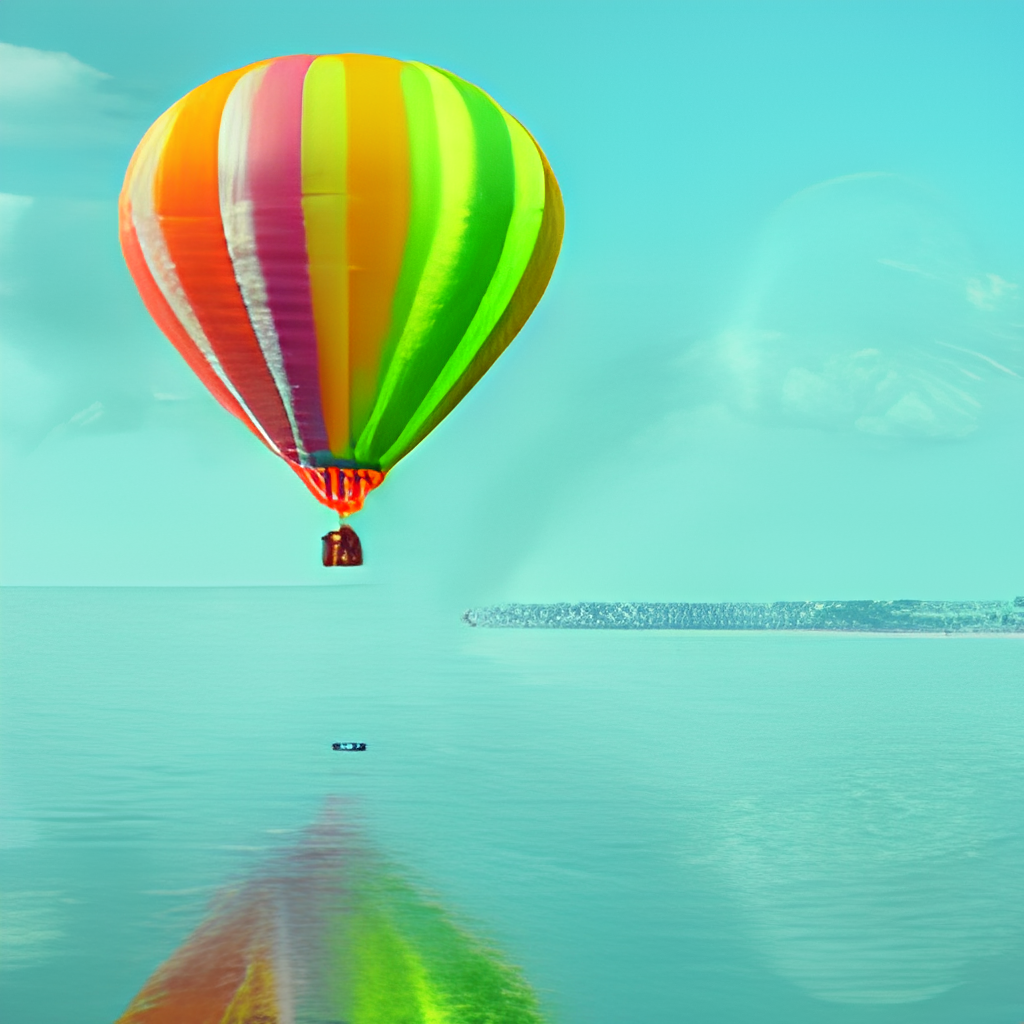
340, 246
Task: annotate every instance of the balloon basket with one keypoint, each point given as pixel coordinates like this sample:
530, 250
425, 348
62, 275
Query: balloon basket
342, 547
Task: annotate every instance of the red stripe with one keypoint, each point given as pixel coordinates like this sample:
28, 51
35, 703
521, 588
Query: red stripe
275, 186
339, 487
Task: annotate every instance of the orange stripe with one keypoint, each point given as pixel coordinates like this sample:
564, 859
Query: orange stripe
187, 201
158, 307
162, 313
203, 977
378, 216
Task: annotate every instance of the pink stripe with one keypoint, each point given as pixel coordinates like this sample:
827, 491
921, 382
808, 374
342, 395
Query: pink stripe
275, 185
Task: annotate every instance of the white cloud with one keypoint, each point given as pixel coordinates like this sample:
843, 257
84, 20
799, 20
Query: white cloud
50, 98
986, 292
88, 415
12, 211
27, 74
911, 415
853, 318
877, 395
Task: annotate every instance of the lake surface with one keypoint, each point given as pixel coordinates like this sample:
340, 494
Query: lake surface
655, 826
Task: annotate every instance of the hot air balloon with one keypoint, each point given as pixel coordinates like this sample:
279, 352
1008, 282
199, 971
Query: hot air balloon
340, 246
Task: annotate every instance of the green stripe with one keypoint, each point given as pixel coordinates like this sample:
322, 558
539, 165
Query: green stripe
453, 186
408, 962
424, 210
520, 240
527, 295
477, 198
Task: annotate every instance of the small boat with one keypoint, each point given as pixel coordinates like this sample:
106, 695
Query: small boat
348, 746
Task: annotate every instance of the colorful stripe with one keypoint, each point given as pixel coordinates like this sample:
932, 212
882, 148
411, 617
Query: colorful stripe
236, 210
225, 973
342, 488
379, 189
186, 204
475, 362
325, 210
340, 246
275, 177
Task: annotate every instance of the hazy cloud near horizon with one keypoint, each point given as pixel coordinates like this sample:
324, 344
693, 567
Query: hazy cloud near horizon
865, 309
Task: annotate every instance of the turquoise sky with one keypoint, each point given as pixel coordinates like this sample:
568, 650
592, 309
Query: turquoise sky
782, 355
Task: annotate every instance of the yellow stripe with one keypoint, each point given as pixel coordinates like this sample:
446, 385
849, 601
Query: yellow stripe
325, 207
378, 216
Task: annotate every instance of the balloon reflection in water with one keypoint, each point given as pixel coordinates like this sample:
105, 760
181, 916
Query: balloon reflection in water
332, 933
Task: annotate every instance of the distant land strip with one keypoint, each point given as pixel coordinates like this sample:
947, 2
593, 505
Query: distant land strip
836, 616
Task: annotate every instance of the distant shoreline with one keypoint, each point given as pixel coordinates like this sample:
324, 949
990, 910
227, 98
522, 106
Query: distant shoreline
880, 618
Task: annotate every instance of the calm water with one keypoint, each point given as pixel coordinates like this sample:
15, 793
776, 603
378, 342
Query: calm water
655, 826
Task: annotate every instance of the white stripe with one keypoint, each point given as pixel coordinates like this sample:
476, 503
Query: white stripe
236, 213
158, 257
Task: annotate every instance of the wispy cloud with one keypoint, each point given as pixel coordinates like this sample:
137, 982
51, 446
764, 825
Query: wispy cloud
13, 209
53, 99
865, 310
984, 358
907, 267
987, 291
79, 353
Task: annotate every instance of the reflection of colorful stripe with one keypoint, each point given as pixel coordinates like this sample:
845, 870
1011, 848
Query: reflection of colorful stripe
331, 933
224, 974
340, 246
404, 959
